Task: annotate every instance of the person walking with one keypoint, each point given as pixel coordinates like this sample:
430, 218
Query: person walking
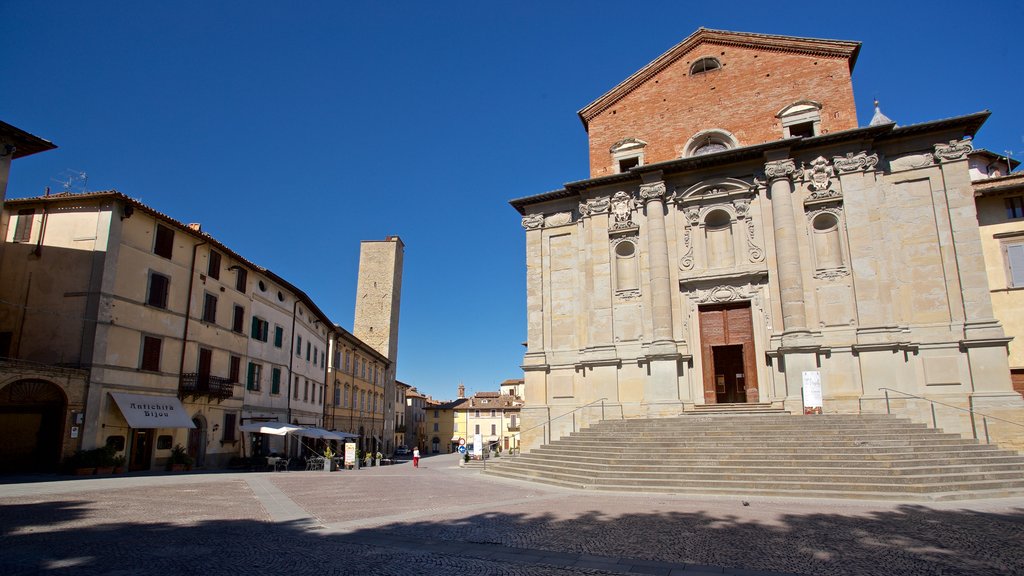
416, 457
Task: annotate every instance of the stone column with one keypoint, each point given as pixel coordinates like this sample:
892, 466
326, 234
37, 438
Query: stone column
787, 249
652, 195
535, 367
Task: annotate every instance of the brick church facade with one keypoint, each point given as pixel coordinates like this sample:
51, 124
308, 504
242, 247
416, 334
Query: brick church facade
741, 233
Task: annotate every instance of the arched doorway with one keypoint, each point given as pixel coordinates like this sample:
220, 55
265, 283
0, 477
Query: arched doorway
32, 414
197, 441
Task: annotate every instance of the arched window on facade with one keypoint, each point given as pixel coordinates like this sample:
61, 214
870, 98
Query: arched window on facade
709, 142
718, 237
704, 65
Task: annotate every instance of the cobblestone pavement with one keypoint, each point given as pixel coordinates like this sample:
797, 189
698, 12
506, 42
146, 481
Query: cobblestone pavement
442, 519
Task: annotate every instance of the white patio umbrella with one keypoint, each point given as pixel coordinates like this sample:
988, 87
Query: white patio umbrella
275, 428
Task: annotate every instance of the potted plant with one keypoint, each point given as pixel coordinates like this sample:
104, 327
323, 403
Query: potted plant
104, 458
180, 460
119, 462
328, 460
81, 463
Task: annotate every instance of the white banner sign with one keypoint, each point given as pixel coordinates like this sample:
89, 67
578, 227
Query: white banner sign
478, 445
812, 392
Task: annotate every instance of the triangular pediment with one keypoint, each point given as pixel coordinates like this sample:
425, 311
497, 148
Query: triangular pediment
768, 42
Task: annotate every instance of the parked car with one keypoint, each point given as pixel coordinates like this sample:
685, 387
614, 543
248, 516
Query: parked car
401, 451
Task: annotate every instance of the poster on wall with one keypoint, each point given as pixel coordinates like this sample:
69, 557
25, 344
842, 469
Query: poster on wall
812, 392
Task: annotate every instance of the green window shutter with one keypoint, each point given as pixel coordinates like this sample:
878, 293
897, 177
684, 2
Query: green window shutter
250, 383
255, 327
278, 336
275, 384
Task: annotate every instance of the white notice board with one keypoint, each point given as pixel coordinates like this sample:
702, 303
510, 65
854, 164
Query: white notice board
812, 392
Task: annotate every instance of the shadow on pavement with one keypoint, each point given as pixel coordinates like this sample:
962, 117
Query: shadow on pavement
53, 538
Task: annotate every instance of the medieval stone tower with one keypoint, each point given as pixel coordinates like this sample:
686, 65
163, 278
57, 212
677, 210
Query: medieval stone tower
378, 298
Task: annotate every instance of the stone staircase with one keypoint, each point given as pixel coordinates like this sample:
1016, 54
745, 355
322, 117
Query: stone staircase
768, 452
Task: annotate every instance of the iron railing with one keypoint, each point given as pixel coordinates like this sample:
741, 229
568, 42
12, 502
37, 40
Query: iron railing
195, 384
974, 413
547, 424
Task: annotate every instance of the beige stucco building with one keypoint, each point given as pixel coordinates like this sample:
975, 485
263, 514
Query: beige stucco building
181, 338
741, 234
1000, 200
357, 374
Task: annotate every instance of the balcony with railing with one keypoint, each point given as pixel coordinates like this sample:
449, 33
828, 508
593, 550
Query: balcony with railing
197, 385
513, 427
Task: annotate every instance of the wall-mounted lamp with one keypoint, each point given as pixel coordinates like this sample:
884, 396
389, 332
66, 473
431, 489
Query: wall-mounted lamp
216, 427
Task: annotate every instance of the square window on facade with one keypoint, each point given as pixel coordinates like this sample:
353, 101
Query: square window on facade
241, 278
210, 308
159, 285
164, 442
213, 270
151, 353
23, 229
626, 163
163, 245
1015, 207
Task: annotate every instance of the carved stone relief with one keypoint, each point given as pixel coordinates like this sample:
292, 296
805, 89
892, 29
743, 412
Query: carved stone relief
533, 221
622, 205
911, 161
754, 252
558, 219
595, 206
853, 162
831, 275
820, 174
692, 220
725, 293
955, 150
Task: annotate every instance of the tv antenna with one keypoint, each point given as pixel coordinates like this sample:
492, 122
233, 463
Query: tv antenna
72, 180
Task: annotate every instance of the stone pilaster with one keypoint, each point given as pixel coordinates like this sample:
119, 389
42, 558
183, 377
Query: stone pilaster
787, 249
653, 195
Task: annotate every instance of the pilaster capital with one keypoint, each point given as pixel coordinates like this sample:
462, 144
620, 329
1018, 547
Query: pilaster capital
861, 161
780, 169
652, 191
533, 221
595, 206
955, 150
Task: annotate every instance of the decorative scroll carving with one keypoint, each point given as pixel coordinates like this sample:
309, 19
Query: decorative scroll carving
830, 194
742, 206
558, 219
622, 205
853, 162
955, 150
725, 293
595, 206
533, 221
653, 191
831, 275
834, 209
780, 169
820, 174
692, 219
754, 252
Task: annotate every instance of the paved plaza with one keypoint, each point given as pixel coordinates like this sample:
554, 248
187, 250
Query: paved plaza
440, 519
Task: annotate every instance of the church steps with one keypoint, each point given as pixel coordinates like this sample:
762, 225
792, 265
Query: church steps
903, 463
847, 456
848, 467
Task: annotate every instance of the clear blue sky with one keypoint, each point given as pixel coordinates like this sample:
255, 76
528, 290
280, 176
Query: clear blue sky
292, 131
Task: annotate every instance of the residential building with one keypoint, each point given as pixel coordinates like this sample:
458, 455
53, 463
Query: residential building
1000, 201
416, 420
357, 372
401, 389
440, 425
492, 415
741, 234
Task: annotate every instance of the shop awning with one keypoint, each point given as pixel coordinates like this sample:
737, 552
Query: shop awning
323, 434
456, 438
275, 428
148, 411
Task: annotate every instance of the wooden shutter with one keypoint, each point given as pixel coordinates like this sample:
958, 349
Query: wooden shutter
250, 382
151, 354
1015, 261
23, 229
214, 265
